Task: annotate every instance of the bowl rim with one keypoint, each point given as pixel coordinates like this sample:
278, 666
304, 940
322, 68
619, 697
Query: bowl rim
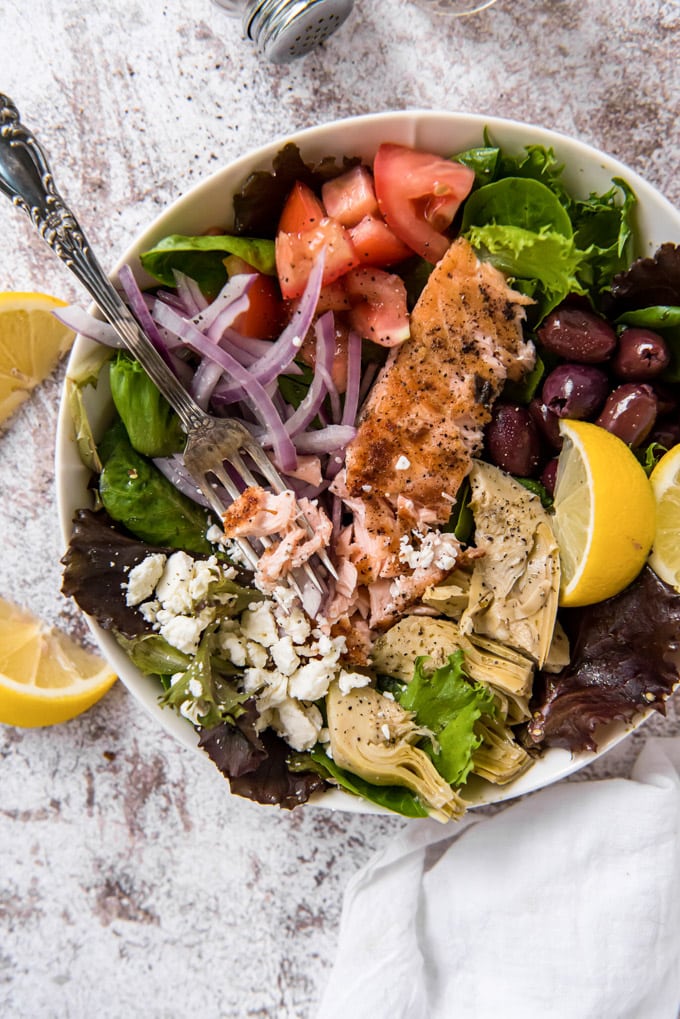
563, 763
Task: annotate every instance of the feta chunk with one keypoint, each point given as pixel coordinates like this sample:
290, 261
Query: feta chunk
143, 577
352, 681
234, 648
311, 681
285, 657
204, 573
300, 726
183, 632
257, 655
258, 624
173, 588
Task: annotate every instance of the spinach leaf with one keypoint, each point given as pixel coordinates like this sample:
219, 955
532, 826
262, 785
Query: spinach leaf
517, 202
603, 230
448, 704
152, 654
659, 316
400, 800
136, 494
202, 258
484, 160
151, 424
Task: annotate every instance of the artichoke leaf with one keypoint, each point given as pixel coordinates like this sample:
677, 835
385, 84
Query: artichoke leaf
451, 597
370, 736
498, 758
515, 585
486, 660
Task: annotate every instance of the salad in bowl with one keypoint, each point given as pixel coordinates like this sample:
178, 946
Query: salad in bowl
456, 338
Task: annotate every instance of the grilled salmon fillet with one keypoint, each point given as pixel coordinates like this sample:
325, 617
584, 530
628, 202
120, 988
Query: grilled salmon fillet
423, 421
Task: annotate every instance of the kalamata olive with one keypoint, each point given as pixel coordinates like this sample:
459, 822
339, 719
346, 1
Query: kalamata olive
548, 424
666, 432
577, 335
667, 398
640, 355
575, 390
512, 440
549, 475
630, 413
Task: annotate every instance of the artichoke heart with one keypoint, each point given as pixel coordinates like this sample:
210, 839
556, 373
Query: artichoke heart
498, 758
370, 736
507, 671
515, 585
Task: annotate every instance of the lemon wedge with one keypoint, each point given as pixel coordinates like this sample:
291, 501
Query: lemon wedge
31, 342
45, 677
665, 481
604, 514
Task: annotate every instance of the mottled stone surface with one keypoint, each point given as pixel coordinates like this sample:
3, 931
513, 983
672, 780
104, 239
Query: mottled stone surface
132, 883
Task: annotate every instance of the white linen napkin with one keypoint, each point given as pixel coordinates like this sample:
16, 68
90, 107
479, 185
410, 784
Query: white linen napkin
565, 904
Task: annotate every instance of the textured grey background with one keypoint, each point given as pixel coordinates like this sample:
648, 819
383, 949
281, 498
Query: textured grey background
131, 882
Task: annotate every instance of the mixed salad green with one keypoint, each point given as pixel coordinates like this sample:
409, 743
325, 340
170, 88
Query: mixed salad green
148, 553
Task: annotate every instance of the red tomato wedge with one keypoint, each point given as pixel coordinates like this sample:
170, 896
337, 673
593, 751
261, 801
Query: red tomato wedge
302, 211
375, 244
351, 196
378, 306
296, 253
340, 354
266, 313
419, 194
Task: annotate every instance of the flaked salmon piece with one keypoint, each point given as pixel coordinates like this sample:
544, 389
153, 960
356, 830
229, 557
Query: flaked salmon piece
295, 548
424, 418
257, 513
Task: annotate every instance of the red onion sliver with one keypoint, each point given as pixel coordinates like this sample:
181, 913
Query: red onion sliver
87, 325
142, 314
351, 407
189, 293
316, 394
331, 439
251, 390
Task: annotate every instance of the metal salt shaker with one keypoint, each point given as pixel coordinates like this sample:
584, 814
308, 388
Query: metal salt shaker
285, 29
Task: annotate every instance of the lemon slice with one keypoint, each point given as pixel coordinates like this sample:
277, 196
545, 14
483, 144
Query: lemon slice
31, 342
604, 514
665, 481
45, 677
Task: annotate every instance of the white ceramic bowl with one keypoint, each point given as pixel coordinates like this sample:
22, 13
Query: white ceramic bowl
586, 170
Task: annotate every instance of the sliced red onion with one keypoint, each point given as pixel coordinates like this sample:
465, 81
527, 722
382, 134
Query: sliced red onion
189, 293
233, 289
331, 439
367, 380
141, 312
351, 406
283, 351
251, 390
316, 394
172, 467
87, 325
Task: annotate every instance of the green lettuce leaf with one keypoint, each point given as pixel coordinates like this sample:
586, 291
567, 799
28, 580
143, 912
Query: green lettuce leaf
151, 424
219, 699
396, 798
514, 201
202, 258
603, 230
447, 703
135, 493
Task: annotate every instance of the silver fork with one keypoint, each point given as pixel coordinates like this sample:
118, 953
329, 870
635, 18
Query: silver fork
26, 179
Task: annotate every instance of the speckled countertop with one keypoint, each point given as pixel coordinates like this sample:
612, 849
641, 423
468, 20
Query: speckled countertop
131, 883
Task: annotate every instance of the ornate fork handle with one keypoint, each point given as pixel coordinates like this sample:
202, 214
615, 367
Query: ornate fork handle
26, 179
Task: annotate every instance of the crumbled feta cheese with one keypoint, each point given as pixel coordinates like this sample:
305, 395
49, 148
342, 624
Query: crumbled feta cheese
385, 730
367, 488
402, 464
234, 648
192, 710
149, 610
258, 624
311, 681
143, 578
195, 687
183, 632
297, 626
275, 692
203, 574
351, 681
254, 679
172, 589
300, 726
257, 655
285, 657
324, 735
214, 535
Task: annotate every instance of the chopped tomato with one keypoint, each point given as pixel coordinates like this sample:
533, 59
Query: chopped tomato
375, 243
379, 310
266, 314
333, 297
302, 211
351, 196
419, 194
296, 254
339, 372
